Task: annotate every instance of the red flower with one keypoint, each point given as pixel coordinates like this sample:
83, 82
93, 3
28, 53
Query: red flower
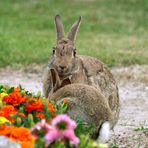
14, 98
40, 115
34, 105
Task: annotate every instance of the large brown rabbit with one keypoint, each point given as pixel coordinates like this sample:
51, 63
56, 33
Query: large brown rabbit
87, 103
80, 69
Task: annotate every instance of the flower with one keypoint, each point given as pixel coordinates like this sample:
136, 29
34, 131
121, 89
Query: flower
2, 95
3, 120
63, 122
5, 130
63, 128
40, 115
14, 98
40, 129
18, 134
34, 104
8, 110
21, 134
54, 135
51, 107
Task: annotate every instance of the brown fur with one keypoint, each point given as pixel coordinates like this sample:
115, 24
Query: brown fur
79, 69
84, 102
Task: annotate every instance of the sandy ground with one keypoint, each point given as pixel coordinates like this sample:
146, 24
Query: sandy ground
133, 90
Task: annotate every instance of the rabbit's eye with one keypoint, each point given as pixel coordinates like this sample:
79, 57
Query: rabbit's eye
53, 51
74, 52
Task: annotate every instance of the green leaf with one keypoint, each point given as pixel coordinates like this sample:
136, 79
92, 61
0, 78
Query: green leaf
10, 90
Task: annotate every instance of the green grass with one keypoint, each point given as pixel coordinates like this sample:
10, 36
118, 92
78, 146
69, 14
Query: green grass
115, 31
141, 128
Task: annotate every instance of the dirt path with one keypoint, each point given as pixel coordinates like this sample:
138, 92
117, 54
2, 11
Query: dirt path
133, 88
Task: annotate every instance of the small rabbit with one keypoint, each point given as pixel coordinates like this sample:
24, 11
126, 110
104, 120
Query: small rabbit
87, 103
79, 69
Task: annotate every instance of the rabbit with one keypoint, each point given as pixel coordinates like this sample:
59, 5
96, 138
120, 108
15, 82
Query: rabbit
64, 58
87, 103
80, 69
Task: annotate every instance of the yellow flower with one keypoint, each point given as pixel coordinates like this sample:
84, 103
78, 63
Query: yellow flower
2, 95
4, 120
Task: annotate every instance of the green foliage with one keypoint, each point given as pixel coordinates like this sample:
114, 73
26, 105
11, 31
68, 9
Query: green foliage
86, 142
39, 143
113, 31
6, 89
30, 119
83, 128
141, 128
61, 108
113, 146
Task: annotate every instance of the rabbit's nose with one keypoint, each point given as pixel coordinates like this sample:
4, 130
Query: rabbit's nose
62, 67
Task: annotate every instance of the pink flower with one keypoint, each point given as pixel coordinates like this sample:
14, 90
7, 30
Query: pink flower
63, 122
40, 129
63, 128
69, 134
52, 136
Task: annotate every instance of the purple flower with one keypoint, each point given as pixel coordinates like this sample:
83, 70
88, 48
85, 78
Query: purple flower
63, 128
40, 129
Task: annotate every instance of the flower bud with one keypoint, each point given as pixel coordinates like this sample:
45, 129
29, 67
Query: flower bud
18, 121
30, 120
22, 92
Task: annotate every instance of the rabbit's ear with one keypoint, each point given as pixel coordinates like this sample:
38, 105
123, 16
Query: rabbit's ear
74, 28
55, 80
59, 28
66, 81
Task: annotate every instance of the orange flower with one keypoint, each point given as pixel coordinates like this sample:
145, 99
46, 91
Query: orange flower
7, 111
5, 130
14, 98
26, 144
40, 115
34, 104
51, 107
21, 134
18, 134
